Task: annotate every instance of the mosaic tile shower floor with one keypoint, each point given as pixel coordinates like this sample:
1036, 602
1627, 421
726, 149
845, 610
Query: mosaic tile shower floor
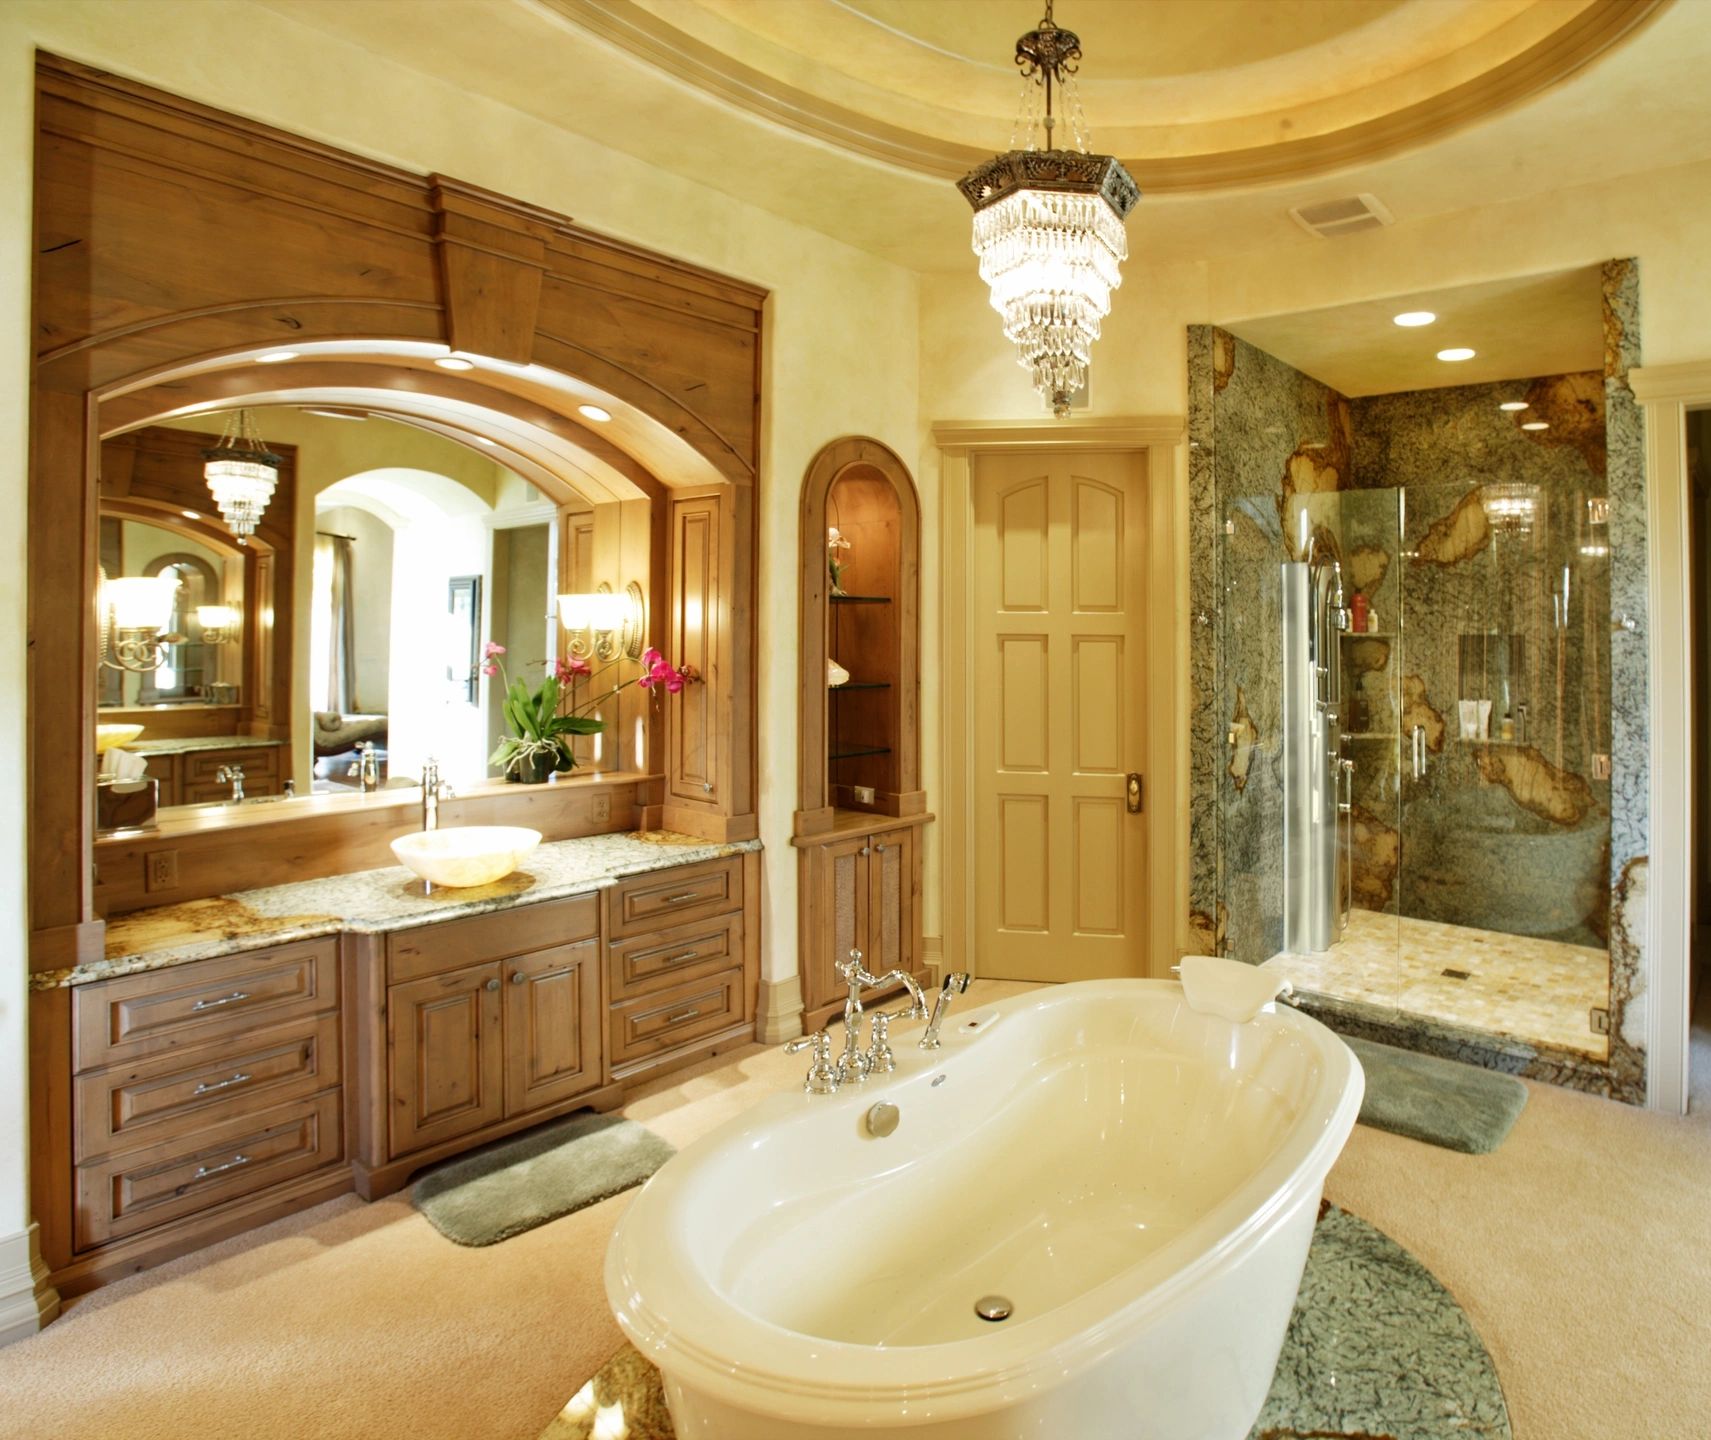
1537, 991
1376, 1347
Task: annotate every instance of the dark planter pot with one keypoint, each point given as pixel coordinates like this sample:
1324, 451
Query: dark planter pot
531, 770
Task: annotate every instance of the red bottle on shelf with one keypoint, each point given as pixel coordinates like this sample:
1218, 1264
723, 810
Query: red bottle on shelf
1357, 614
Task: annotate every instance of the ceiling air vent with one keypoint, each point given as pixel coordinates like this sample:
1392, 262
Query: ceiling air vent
1342, 217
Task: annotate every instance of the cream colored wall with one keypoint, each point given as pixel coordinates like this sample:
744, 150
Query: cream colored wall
844, 323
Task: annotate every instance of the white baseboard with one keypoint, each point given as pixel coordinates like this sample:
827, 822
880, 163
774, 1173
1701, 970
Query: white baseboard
933, 957
27, 1301
780, 1010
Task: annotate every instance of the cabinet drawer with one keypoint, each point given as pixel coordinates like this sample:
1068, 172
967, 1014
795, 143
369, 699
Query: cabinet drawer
189, 1005
170, 1095
205, 792
127, 1193
668, 957
452, 944
675, 897
645, 1026
259, 763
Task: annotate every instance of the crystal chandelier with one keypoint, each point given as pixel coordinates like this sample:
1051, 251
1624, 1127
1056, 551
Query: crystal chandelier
241, 473
1048, 223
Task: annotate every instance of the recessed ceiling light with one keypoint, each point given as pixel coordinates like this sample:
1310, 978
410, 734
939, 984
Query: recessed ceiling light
1456, 352
274, 357
1536, 425
190, 514
1413, 318
1513, 405
593, 412
454, 362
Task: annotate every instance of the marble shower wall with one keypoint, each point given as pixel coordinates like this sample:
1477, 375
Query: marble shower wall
1268, 442
1503, 573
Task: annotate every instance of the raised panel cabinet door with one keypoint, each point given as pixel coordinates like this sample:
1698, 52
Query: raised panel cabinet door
447, 1064
891, 904
841, 896
552, 1025
693, 743
1058, 593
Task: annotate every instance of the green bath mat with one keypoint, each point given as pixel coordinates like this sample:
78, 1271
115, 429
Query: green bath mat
1443, 1102
514, 1185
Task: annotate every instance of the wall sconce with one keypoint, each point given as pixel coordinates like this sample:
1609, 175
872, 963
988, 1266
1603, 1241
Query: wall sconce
604, 624
135, 611
219, 623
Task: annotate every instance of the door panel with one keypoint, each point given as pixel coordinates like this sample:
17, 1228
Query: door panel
447, 1062
552, 1026
891, 903
1060, 661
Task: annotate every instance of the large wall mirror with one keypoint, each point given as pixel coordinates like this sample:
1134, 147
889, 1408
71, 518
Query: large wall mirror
347, 640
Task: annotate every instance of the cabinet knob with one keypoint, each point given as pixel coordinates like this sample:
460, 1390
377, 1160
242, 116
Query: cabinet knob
880, 849
864, 849
493, 984
518, 977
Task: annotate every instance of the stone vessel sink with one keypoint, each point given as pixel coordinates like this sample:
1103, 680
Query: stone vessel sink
466, 854
110, 737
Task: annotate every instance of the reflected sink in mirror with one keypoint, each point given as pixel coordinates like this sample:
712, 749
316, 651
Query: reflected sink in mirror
466, 855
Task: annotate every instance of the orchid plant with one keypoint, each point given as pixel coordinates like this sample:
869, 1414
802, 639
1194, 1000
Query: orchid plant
543, 717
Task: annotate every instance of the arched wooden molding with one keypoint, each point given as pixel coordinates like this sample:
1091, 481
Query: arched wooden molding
860, 464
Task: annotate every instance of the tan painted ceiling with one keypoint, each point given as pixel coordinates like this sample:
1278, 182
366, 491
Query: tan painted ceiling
1519, 329
555, 59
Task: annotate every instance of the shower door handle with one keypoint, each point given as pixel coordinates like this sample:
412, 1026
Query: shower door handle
1419, 741
1346, 817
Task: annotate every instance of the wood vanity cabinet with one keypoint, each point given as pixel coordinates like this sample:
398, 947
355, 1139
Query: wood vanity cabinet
191, 777
861, 892
472, 1046
203, 1099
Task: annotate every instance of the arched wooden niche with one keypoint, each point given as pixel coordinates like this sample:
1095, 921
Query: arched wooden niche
864, 734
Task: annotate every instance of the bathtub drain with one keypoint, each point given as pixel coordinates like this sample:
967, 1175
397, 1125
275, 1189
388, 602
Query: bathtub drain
993, 1307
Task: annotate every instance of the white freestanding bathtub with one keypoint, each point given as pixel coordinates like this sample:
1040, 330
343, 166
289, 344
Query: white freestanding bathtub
1139, 1180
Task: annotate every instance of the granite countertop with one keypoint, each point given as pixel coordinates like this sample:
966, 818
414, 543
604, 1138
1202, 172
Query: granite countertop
372, 902
184, 744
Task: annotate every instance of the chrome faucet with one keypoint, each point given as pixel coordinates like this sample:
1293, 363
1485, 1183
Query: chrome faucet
366, 767
433, 791
856, 1064
234, 774
956, 983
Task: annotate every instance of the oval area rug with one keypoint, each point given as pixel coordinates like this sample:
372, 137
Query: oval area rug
1377, 1350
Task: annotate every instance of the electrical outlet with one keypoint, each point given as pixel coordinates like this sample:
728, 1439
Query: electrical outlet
160, 870
864, 794
600, 808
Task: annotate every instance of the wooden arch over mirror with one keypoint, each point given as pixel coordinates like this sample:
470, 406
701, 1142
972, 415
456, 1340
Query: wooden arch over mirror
177, 245
866, 731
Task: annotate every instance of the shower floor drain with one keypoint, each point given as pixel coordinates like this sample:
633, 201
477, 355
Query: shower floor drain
993, 1307
1458, 974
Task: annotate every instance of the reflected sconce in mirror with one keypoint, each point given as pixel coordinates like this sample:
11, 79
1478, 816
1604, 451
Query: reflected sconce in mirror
219, 623
135, 611
604, 624
241, 473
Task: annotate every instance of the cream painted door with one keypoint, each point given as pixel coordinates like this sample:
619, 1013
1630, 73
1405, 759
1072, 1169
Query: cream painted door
1060, 661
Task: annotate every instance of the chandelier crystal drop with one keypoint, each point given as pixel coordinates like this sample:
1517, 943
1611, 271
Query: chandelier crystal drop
241, 473
1049, 223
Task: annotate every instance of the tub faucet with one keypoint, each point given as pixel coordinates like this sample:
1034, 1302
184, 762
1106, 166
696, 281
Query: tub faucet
822, 1076
366, 768
233, 774
956, 983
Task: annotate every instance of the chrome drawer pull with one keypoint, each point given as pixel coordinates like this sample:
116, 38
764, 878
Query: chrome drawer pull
681, 1016
231, 999
679, 899
208, 1172
206, 1089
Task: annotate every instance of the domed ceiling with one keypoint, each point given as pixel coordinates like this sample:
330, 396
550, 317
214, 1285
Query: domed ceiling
1193, 95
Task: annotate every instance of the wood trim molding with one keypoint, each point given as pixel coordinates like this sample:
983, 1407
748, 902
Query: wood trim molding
1134, 433
1668, 392
28, 1301
779, 1014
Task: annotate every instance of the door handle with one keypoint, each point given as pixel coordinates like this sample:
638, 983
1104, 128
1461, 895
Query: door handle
1135, 792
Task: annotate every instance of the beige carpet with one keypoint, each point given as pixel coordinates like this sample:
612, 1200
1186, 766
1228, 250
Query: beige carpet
1581, 1249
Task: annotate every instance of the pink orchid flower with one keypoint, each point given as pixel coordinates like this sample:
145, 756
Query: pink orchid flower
568, 670
490, 669
674, 683
490, 649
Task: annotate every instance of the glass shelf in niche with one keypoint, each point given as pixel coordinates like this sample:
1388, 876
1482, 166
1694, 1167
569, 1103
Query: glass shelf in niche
859, 599
860, 685
1370, 735
1368, 634
855, 752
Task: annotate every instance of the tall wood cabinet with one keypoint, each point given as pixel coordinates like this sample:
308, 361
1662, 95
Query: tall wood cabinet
860, 802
